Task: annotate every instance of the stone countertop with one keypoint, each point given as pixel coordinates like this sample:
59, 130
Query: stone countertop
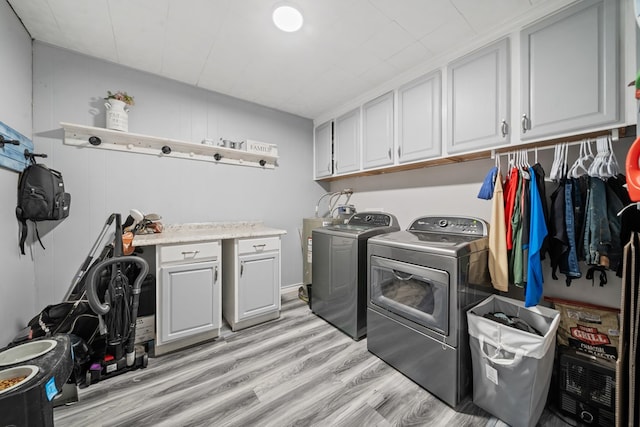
199, 232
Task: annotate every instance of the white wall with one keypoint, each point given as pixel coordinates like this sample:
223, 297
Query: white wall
17, 286
69, 87
453, 190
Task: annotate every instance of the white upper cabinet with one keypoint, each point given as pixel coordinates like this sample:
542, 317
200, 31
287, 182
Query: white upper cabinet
323, 148
377, 131
569, 70
420, 118
478, 99
347, 142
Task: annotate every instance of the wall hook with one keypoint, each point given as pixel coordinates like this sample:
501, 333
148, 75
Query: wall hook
32, 156
8, 141
95, 140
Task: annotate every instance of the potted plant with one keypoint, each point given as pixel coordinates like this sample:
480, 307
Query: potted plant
117, 114
120, 96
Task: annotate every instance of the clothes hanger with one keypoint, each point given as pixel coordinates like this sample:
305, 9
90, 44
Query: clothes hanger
553, 174
612, 163
594, 169
574, 167
565, 168
578, 168
587, 156
510, 161
524, 164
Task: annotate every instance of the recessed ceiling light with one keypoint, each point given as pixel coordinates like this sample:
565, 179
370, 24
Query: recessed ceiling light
287, 18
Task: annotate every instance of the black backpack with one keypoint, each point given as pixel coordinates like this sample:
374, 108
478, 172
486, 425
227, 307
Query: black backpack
41, 197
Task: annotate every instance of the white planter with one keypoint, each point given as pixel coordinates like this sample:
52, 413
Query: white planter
117, 115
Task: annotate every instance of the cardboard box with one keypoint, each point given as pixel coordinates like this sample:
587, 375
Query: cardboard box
145, 329
589, 329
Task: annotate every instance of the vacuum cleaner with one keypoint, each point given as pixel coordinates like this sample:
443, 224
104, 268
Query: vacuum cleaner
117, 318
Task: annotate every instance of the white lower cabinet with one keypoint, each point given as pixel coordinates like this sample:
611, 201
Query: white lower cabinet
188, 304
251, 283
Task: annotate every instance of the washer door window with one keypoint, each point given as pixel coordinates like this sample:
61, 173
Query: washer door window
416, 293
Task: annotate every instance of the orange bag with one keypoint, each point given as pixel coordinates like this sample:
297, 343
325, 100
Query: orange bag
633, 171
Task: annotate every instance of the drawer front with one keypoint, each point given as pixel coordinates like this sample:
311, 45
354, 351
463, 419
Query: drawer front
254, 246
189, 252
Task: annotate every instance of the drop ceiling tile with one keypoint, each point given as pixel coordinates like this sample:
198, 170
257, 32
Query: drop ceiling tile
330, 88
193, 27
357, 62
358, 24
143, 47
391, 39
453, 33
38, 18
379, 73
484, 15
85, 27
418, 17
322, 14
217, 80
410, 56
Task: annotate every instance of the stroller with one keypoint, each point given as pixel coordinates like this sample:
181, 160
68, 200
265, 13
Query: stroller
99, 312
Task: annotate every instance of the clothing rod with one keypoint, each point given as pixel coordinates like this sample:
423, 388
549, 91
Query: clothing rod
505, 150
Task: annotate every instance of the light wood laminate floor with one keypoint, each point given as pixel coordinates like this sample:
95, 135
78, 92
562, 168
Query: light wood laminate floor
297, 370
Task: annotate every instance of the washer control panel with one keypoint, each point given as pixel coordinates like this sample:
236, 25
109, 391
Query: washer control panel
451, 224
372, 219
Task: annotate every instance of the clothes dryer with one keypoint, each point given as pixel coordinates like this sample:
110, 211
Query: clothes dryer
421, 282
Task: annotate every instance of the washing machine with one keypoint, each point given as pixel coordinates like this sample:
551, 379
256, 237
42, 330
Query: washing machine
339, 271
421, 283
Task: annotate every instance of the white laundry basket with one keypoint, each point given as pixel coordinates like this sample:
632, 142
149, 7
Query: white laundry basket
511, 367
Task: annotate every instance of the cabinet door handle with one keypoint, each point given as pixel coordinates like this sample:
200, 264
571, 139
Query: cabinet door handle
399, 151
526, 123
336, 165
259, 247
241, 268
215, 275
192, 253
504, 128
389, 153
329, 167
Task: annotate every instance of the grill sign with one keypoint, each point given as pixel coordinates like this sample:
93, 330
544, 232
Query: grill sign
589, 335
589, 329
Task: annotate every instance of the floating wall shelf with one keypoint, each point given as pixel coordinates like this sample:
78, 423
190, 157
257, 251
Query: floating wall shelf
92, 137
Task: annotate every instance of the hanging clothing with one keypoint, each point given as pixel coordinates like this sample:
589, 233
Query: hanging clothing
630, 218
498, 263
510, 191
579, 194
525, 207
558, 240
542, 190
516, 267
569, 259
602, 229
614, 205
537, 233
